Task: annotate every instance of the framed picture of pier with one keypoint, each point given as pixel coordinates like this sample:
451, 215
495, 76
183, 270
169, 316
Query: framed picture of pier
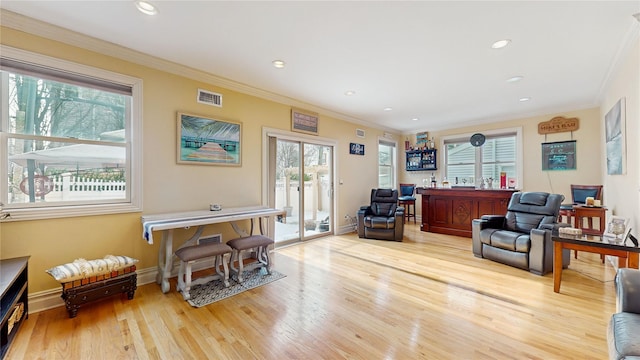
205, 141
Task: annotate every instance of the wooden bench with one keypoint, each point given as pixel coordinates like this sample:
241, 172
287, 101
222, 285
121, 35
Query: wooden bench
189, 254
87, 281
261, 245
75, 297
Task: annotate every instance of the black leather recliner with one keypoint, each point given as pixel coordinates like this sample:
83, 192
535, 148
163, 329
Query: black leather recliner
383, 219
622, 332
522, 237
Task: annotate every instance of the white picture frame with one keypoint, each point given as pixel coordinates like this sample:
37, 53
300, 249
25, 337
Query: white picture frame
626, 234
614, 220
615, 131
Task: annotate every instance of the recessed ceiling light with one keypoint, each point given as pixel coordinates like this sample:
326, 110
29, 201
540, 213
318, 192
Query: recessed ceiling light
414, 119
278, 64
525, 99
500, 44
387, 109
515, 79
146, 8
350, 93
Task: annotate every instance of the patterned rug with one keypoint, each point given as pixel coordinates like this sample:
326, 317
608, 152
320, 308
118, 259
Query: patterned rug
213, 291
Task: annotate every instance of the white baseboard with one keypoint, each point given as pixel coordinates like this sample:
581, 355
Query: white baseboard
345, 229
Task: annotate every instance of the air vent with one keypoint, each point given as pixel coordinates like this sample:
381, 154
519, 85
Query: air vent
211, 239
360, 133
209, 98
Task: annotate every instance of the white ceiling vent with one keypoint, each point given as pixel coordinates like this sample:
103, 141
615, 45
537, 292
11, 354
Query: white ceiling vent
209, 98
360, 133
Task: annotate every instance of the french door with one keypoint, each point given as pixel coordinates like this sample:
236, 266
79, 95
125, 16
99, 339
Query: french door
301, 183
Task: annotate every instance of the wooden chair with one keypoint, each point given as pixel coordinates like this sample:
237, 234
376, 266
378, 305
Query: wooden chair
407, 199
579, 194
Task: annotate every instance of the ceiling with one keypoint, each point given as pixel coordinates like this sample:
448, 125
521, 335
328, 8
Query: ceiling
427, 60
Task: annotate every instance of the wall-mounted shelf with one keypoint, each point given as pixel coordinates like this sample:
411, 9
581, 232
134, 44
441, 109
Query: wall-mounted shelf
420, 160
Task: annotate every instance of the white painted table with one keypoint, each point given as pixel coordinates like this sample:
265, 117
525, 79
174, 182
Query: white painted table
169, 221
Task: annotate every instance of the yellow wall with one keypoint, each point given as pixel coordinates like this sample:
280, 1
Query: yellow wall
623, 191
167, 186
588, 143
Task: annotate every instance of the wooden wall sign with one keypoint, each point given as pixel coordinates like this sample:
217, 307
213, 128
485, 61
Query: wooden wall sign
558, 124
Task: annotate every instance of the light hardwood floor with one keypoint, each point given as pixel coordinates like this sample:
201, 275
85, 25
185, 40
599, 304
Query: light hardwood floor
348, 298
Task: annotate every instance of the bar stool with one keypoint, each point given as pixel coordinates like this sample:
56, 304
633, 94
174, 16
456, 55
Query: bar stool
407, 200
189, 254
239, 246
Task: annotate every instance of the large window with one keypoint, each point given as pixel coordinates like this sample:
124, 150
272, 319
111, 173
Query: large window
68, 137
386, 164
500, 153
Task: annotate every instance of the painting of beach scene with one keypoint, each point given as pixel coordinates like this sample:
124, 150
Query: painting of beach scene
206, 141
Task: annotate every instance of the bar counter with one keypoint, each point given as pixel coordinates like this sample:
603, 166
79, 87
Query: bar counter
450, 211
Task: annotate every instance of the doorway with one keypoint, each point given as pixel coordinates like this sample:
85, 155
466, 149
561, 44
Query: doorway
300, 177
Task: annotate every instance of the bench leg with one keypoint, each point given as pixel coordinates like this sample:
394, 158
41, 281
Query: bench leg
263, 258
237, 255
224, 275
184, 279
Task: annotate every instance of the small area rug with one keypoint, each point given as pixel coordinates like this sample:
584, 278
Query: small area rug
213, 291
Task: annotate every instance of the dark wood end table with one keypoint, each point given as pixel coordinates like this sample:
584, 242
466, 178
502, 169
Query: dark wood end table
590, 213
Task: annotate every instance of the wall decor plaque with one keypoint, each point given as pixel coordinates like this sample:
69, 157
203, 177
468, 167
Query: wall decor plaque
304, 121
356, 149
558, 124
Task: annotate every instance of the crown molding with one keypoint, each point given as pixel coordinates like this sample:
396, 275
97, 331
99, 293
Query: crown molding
39, 28
632, 36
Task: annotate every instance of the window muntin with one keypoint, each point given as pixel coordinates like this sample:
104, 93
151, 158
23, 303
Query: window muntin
386, 164
468, 163
67, 138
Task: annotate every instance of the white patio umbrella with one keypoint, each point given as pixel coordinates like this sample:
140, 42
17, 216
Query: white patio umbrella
80, 156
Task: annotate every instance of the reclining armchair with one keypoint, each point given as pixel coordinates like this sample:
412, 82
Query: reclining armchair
522, 237
383, 219
622, 332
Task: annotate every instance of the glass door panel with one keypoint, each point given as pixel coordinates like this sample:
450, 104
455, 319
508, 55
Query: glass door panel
318, 190
287, 196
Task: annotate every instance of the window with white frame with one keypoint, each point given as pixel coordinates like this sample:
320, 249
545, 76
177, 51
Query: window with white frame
386, 164
69, 138
468, 164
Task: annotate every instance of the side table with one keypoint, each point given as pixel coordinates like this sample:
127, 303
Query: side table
627, 253
590, 213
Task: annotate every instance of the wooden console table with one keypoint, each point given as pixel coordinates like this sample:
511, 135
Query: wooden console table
450, 211
171, 221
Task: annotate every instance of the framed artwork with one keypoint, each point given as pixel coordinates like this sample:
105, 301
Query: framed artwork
617, 227
205, 141
615, 123
304, 121
421, 139
559, 155
356, 149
